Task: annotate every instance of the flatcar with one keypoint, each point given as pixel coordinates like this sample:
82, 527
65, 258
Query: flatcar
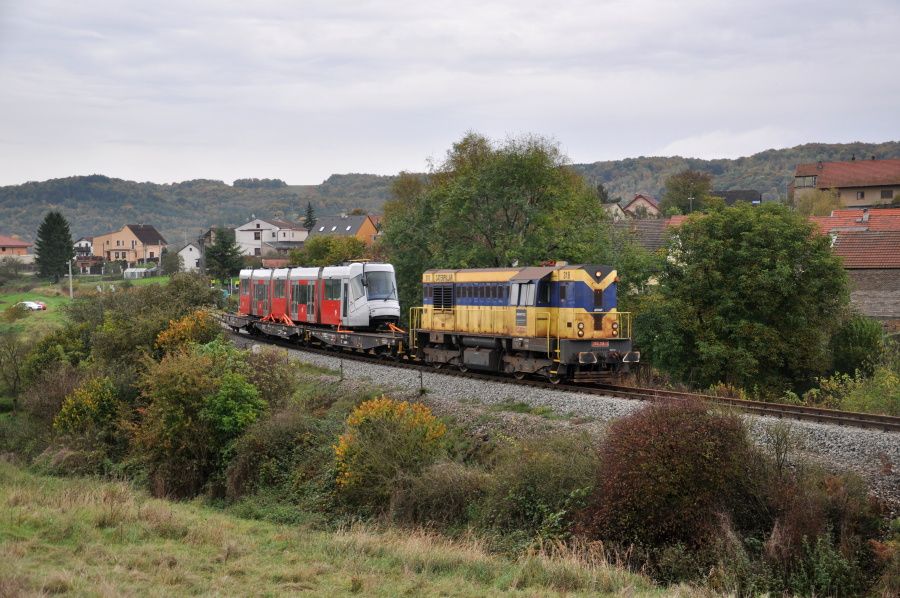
356, 296
559, 321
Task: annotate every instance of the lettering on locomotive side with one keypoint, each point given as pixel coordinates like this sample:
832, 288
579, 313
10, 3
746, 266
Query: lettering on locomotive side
600, 344
566, 275
443, 277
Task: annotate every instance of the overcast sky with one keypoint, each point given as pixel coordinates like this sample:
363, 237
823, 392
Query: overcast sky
167, 90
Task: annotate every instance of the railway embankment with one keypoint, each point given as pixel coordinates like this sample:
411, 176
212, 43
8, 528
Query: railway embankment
519, 410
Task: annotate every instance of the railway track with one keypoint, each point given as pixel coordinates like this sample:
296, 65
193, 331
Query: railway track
886, 423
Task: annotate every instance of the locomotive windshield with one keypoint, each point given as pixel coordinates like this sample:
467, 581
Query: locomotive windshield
381, 285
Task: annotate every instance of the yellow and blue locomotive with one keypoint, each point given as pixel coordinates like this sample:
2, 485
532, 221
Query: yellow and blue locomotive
558, 321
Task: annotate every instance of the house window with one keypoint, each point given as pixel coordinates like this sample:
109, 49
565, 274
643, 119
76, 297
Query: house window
349, 227
257, 225
804, 181
334, 228
257, 236
283, 235
257, 251
860, 195
274, 235
151, 254
887, 194
196, 263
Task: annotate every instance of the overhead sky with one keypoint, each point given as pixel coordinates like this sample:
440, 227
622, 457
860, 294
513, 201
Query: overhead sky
167, 90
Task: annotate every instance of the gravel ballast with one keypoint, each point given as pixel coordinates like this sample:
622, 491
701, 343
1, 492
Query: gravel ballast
874, 454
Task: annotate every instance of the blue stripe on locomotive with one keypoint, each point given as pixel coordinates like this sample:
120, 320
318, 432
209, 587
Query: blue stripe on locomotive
578, 295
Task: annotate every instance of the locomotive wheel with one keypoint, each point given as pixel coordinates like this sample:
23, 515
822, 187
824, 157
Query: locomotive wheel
519, 375
437, 365
462, 367
554, 378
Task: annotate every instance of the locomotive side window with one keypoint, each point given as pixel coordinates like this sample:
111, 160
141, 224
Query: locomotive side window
563, 288
544, 292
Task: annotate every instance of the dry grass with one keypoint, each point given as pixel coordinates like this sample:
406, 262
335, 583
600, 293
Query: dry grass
83, 537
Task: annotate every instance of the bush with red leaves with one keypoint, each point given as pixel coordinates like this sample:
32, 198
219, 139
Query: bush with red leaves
666, 472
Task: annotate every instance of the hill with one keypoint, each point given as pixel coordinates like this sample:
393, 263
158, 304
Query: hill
96, 204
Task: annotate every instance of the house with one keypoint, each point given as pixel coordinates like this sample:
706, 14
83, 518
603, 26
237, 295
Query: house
360, 226
84, 247
191, 256
650, 233
10, 246
872, 261
859, 219
751, 196
133, 243
614, 211
859, 183
261, 237
642, 206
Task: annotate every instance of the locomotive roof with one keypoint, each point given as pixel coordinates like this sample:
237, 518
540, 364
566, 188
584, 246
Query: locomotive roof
513, 274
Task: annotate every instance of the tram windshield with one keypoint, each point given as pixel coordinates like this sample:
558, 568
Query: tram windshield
381, 285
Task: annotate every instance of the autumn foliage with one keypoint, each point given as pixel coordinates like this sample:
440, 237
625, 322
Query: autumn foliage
383, 440
197, 327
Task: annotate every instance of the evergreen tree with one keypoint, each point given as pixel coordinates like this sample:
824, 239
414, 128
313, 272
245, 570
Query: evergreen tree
223, 257
310, 220
53, 247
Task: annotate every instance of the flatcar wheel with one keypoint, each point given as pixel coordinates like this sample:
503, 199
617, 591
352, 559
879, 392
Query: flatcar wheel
462, 367
519, 375
437, 365
554, 378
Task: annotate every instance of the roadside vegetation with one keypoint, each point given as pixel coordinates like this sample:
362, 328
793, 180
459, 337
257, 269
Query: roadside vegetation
283, 464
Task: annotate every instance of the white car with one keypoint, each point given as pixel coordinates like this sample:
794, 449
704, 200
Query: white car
31, 305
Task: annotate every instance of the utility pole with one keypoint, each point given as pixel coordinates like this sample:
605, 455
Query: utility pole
71, 294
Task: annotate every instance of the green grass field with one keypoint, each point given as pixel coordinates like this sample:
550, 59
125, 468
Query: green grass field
85, 537
35, 323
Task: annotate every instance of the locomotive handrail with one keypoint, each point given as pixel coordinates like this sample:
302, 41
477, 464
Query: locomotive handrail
544, 315
415, 322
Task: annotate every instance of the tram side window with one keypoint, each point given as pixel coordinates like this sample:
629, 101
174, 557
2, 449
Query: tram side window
245, 286
333, 289
279, 289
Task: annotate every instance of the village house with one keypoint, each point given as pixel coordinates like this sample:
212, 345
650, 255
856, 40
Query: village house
84, 247
133, 243
360, 226
266, 236
191, 258
11, 246
641, 206
858, 183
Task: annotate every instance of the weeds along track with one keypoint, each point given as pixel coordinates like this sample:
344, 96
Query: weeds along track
887, 423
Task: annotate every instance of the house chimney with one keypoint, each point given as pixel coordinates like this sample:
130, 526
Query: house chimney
819, 165
852, 157
865, 216
873, 156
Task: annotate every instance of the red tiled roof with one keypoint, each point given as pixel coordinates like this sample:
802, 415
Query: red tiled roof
857, 173
676, 220
869, 249
11, 242
887, 219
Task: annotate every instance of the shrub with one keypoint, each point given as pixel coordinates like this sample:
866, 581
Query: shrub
199, 327
445, 493
384, 440
271, 450
69, 345
196, 409
45, 395
539, 483
857, 345
90, 410
666, 471
274, 374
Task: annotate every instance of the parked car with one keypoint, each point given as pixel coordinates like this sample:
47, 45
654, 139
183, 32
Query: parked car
31, 305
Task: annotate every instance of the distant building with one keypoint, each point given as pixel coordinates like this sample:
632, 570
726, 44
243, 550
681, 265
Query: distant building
191, 256
732, 196
362, 227
872, 261
641, 206
10, 246
614, 211
84, 247
133, 243
859, 183
264, 236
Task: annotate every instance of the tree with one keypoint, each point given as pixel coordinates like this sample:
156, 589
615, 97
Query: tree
493, 205
816, 202
328, 251
54, 247
749, 296
13, 352
687, 191
602, 193
310, 220
170, 262
223, 257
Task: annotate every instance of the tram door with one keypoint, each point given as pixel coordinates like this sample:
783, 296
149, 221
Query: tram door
311, 301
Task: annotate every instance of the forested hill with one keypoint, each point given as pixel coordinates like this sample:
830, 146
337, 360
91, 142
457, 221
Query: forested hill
97, 204
768, 172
